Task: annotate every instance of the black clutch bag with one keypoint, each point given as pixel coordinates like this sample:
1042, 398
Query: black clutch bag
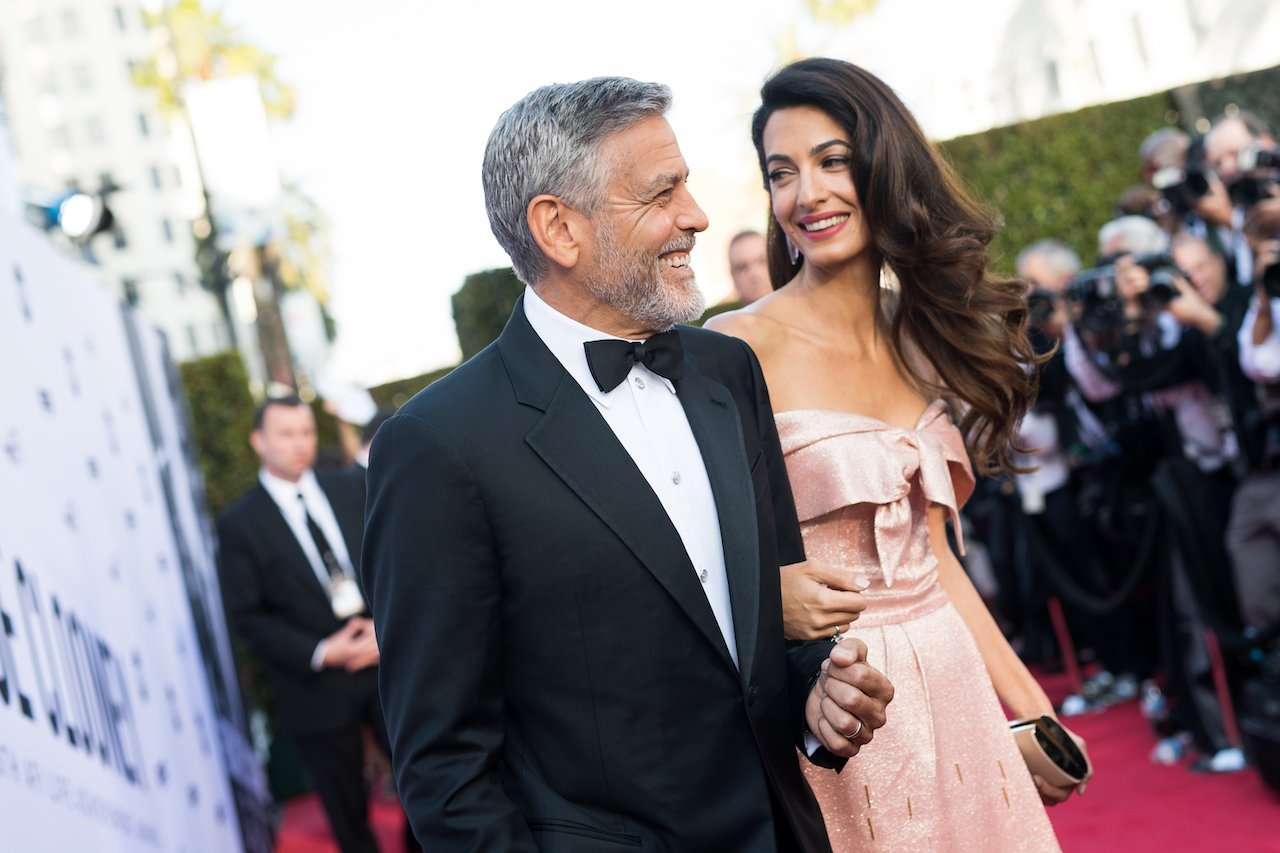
1052, 752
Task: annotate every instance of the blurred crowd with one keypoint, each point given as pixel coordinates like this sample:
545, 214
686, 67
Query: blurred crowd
1149, 529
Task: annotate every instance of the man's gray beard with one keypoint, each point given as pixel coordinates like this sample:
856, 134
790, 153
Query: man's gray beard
625, 282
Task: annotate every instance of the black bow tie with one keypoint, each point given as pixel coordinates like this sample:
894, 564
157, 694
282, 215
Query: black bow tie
611, 360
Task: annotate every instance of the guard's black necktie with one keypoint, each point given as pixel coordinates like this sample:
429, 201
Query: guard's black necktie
330, 559
611, 360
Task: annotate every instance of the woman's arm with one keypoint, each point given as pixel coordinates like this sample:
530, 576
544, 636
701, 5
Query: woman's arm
1014, 684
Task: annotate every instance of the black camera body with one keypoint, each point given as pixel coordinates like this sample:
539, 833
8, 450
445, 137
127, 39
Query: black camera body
1182, 188
1040, 305
1250, 189
1163, 269
1258, 174
1271, 281
1094, 290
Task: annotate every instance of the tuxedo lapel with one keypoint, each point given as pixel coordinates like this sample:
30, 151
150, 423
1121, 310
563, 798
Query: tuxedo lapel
576, 443
343, 513
713, 417
278, 529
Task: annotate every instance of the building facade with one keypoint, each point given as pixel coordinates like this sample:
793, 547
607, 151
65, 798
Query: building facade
76, 119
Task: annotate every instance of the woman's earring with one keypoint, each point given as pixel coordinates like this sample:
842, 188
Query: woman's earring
793, 252
888, 278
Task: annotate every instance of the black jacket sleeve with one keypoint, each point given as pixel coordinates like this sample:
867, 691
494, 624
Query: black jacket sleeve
432, 577
804, 658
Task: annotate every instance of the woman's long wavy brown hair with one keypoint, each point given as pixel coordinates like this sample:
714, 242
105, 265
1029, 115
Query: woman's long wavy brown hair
969, 325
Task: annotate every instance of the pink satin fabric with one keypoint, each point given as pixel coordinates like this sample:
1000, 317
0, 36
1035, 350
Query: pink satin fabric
944, 773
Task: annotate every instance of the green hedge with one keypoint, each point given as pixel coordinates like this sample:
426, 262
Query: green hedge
222, 415
481, 308
1060, 176
396, 394
1258, 92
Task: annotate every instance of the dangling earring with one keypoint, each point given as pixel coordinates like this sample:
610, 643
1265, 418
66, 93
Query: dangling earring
888, 278
793, 252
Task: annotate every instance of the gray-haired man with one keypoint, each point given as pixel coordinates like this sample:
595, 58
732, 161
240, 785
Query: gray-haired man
573, 539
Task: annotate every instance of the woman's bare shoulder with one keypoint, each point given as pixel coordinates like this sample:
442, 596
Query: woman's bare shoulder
757, 324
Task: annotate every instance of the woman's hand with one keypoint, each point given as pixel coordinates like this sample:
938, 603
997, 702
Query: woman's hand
819, 600
1050, 794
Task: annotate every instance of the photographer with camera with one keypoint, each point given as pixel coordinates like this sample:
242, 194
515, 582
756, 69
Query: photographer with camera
1065, 437
1140, 348
1241, 151
1192, 198
1253, 535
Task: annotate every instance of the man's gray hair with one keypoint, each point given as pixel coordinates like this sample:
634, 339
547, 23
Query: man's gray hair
1135, 235
1158, 139
1058, 255
548, 143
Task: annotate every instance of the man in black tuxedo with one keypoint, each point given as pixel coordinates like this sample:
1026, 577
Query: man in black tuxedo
572, 545
288, 557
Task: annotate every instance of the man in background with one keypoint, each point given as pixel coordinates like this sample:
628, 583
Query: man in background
288, 562
749, 266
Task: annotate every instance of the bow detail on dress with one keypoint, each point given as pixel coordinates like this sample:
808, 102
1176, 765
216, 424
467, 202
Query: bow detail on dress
875, 463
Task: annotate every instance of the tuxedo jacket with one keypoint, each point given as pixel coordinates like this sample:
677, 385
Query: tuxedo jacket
277, 604
552, 675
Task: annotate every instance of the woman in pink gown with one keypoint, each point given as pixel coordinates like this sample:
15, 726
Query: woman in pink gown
884, 332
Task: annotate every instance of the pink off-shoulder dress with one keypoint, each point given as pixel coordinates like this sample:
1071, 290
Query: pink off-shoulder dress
943, 774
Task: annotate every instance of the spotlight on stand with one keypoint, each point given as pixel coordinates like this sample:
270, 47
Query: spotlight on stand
77, 214
81, 215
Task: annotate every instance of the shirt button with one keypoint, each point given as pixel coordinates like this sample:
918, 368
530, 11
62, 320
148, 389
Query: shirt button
675, 477
640, 383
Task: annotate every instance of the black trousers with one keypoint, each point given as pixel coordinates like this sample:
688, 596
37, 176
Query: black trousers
336, 762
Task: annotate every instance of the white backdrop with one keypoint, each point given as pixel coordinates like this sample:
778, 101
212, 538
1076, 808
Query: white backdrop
120, 721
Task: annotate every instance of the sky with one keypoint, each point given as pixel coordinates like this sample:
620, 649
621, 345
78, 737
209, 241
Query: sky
396, 101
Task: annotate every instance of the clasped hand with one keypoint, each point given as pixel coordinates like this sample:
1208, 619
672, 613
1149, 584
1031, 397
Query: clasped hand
352, 647
847, 704
819, 600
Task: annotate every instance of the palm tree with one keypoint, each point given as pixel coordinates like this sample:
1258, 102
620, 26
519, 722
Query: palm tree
199, 45
196, 45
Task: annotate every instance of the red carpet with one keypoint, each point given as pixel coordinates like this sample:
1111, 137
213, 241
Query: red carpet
1131, 805
1134, 805
304, 829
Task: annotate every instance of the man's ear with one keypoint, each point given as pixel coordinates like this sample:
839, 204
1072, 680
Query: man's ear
255, 441
557, 229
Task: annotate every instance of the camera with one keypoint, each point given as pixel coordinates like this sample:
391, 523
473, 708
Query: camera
1163, 271
1181, 188
1255, 157
1094, 290
1040, 305
1250, 189
1271, 280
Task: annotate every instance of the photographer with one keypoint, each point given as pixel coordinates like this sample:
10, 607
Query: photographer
1129, 338
1064, 437
1193, 199
1241, 150
1253, 535
1144, 355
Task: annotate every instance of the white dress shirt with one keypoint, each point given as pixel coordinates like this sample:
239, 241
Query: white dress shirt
1260, 362
646, 416
285, 495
